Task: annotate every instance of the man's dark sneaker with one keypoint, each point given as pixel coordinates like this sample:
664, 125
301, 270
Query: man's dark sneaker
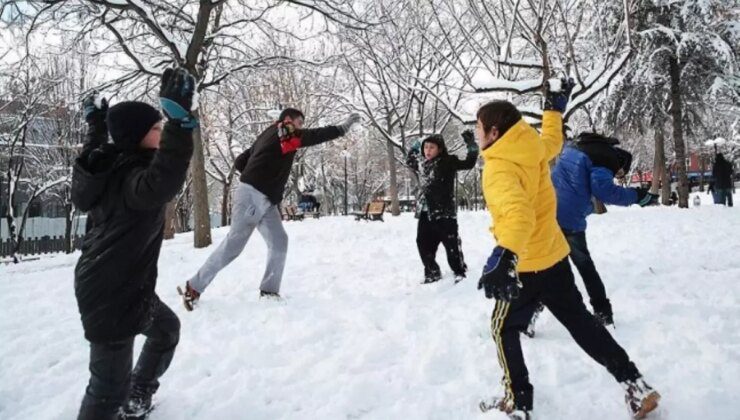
189, 297
640, 397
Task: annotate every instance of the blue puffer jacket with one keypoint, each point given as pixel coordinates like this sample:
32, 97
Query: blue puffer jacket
576, 179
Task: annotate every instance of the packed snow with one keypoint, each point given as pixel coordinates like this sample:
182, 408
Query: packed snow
358, 337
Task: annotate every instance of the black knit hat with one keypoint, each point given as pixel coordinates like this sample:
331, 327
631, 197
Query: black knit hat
128, 123
435, 139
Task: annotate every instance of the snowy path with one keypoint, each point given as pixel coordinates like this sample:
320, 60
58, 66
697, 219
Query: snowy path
360, 338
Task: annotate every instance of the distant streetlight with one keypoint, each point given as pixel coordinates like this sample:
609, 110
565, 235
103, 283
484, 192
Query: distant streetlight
345, 154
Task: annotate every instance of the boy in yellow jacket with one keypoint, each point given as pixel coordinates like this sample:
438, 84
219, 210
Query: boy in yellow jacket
529, 265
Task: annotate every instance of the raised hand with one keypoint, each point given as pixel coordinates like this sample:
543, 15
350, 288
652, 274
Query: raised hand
557, 94
95, 109
176, 97
468, 137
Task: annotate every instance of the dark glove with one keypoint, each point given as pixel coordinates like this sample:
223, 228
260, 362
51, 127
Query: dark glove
353, 119
416, 147
500, 279
645, 197
95, 109
557, 100
468, 137
176, 97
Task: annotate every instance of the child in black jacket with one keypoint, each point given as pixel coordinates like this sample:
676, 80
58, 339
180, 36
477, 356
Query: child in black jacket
435, 204
125, 187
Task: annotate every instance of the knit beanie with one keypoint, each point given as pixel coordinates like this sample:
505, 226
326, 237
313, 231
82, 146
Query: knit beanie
128, 123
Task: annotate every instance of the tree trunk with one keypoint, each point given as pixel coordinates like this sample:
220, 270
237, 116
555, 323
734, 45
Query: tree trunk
599, 207
702, 168
201, 217
68, 236
225, 202
677, 117
393, 191
169, 219
658, 160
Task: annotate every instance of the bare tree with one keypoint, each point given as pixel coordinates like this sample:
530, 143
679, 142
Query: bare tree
212, 39
30, 146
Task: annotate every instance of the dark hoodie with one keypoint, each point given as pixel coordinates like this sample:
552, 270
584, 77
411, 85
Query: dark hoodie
126, 194
436, 194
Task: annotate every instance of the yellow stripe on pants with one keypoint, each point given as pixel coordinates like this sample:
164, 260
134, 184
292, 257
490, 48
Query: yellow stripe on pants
500, 312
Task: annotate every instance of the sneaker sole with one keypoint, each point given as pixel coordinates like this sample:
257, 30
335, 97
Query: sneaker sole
649, 404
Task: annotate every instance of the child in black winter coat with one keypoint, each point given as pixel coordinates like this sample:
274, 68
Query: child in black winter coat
435, 202
125, 187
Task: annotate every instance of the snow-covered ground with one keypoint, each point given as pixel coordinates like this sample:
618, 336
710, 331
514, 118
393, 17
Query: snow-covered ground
359, 337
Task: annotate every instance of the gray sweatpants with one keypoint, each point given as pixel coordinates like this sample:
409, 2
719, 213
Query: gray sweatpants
251, 210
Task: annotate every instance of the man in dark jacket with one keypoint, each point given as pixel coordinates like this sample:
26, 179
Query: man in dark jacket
587, 169
435, 203
722, 177
265, 168
125, 187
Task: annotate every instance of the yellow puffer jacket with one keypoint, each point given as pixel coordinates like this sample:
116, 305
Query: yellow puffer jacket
520, 196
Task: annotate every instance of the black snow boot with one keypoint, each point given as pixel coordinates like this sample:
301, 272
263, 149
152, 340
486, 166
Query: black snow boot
138, 406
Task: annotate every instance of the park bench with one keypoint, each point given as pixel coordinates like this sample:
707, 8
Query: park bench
290, 213
371, 211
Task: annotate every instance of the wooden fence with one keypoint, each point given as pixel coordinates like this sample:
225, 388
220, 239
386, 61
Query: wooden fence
42, 245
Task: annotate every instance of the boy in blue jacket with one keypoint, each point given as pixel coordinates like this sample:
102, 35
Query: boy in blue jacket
586, 169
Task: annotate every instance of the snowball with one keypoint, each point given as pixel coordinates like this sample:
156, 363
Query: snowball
555, 85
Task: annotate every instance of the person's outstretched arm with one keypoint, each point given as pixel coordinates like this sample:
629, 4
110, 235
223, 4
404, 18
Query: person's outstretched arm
313, 136
604, 189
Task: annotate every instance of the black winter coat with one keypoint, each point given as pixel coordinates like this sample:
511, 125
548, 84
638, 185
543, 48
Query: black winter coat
266, 165
126, 194
722, 174
436, 193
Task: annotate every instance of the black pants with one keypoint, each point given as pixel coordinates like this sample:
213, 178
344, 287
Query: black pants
429, 234
111, 378
556, 289
585, 265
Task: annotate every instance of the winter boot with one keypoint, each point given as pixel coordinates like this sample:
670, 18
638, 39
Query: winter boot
270, 296
505, 406
138, 406
432, 277
459, 278
640, 397
189, 297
